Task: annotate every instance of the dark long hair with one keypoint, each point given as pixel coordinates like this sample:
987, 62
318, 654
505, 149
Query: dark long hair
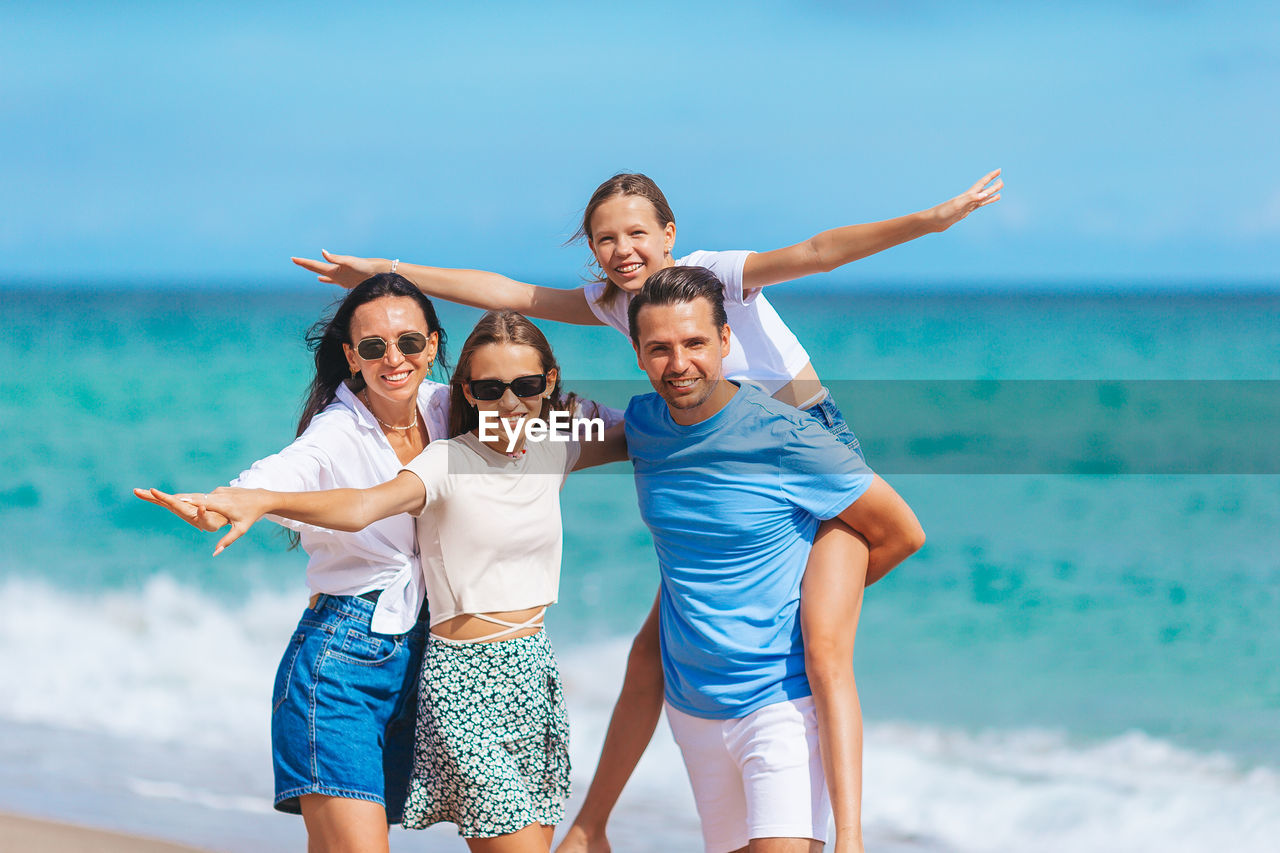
329, 334
501, 327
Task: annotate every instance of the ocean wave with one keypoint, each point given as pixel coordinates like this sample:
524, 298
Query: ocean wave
168, 664
163, 662
1043, 790
937, 787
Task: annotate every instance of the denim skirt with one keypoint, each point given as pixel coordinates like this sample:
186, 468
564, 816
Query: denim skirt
343, 707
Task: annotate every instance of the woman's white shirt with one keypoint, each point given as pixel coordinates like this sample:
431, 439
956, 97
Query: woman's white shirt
490, 532
345, 448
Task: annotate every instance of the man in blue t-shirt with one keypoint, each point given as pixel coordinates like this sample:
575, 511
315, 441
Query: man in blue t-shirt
733, 486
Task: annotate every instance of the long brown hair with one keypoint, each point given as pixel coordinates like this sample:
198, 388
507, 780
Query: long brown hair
329, 334
622, 184
501, 327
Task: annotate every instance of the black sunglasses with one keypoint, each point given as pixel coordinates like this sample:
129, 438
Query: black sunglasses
410, 343
489, 390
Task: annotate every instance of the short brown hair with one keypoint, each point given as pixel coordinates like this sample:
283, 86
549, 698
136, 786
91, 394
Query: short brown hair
675, 286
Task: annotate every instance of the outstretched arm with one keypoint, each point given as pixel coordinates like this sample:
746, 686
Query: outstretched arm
831, 249
183, 508
476, 288
339, 509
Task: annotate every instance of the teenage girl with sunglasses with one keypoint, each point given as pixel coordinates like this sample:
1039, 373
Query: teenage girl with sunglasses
346, 690
631, 231
491, 751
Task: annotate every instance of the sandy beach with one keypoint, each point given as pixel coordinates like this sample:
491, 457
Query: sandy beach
24, 834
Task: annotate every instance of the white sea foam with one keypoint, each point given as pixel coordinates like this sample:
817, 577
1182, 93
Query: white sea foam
1039, 790
939, 788
163, 662
167, 665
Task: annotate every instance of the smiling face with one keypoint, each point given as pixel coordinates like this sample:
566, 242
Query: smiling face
680, 349
507, 361
394, 378
629, 242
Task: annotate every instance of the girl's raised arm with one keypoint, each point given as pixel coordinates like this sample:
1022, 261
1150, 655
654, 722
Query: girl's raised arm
831, 249
477, 288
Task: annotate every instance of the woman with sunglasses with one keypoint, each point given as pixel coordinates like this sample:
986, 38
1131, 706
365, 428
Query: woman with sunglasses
492, 738
345, 693
631, 231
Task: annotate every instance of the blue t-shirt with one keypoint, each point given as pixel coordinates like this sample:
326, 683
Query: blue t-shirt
733, 504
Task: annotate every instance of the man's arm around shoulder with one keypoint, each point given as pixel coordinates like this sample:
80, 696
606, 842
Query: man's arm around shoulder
888, 525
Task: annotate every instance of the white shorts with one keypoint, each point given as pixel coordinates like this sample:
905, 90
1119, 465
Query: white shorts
759, 776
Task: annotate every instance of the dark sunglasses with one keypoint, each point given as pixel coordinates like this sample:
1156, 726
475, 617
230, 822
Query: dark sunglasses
410, 343
489, 390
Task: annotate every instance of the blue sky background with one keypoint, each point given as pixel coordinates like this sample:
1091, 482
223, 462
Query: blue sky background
174, 143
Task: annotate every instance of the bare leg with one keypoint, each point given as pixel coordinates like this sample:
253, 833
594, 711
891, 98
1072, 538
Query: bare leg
830, 604
635, 716
343, 825
534, 838
887, 526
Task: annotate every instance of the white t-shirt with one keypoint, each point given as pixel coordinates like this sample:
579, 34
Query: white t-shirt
762, 350
490, 535
344, 448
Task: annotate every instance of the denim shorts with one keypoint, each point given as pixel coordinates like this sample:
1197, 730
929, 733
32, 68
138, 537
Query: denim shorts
343, 708
828, 414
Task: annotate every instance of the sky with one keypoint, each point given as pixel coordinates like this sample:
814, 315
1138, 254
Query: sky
184, 144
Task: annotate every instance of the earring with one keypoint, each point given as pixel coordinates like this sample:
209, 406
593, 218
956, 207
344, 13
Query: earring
355, 371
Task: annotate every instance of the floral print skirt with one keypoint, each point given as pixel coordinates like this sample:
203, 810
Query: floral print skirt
492, 746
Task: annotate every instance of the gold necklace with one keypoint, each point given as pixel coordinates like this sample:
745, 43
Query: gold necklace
365, 399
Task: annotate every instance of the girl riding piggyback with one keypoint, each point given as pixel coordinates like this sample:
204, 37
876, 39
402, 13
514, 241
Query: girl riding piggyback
631, 231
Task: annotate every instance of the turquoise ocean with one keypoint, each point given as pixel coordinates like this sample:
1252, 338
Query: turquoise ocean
1082, 657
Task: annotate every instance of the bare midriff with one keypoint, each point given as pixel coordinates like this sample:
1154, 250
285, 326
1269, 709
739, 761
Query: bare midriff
471, 628
802, 389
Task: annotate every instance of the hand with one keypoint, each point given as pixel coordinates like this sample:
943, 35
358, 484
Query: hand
344, 270
239, 507
576, 840
981, 194
183, 507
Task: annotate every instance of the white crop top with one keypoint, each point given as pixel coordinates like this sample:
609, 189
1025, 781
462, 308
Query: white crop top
762, 350
489, 535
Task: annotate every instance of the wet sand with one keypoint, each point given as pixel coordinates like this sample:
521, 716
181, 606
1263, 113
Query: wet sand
28, 835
